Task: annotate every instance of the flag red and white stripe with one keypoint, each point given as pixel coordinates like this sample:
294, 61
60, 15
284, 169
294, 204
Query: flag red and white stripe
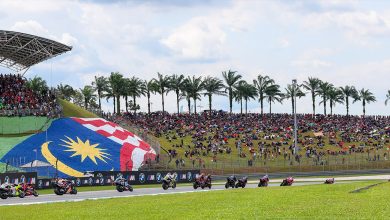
134, 150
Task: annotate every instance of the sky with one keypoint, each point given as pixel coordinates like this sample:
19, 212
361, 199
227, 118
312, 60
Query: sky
344, 42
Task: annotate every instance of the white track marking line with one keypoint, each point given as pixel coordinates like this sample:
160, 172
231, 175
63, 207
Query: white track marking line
106, 197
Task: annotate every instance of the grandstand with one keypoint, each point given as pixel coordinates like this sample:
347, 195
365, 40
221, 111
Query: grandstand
214, 141
34, 122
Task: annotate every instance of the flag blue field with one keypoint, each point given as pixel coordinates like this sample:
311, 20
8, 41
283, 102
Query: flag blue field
76, 145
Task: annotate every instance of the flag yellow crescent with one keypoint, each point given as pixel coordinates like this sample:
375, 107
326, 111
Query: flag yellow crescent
60, 165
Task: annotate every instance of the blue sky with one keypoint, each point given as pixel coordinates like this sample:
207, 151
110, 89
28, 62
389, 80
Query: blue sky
343, 42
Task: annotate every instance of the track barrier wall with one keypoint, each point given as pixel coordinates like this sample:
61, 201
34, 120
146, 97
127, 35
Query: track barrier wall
30, 177
107, 178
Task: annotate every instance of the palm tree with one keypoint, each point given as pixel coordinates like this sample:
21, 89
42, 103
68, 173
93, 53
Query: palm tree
88, 94
323, 90
387, 97
135, 89
290, 91
163, 85
149, 88
261, 84
231, 79
65, 91
78, 98
37, 84
249, 92
100, 85
108, 94
194, 86
335, 96
238, 92
272, 94
212, 86
116, 84
348, 91
176, 85
125, 92
366, 97
312, 85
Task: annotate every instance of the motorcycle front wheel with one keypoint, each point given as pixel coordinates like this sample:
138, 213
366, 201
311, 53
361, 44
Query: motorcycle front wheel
22, 194
164, 186
3, 196
58, 192
119, 188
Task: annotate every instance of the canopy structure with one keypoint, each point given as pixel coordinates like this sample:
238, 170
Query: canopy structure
19, 51
36, 163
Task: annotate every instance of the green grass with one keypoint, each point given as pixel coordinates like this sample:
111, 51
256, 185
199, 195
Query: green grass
6, 144
72, 110
297, 202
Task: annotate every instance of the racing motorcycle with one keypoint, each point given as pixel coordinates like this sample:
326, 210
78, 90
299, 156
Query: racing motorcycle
242, 182
203, 182
11, 190
230, 182
287, 182
263, 181
329, 181
64, 186
29, 189
169, 182
123, 185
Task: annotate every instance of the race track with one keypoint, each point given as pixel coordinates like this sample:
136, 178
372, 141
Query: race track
109, 194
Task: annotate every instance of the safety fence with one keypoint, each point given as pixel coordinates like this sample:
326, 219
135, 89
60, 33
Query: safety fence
102, 178
227, 164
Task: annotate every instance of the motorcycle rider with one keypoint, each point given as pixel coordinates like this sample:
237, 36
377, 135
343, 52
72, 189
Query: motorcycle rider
233, 178
202, 177
265, 178
6, 186
170, 177
120, 179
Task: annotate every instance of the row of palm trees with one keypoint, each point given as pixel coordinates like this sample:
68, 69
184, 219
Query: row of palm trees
192, 88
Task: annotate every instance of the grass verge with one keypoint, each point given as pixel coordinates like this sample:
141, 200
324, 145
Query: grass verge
72, 110
299, 202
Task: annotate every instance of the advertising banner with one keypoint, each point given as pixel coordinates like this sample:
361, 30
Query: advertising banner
106, 178
15, 178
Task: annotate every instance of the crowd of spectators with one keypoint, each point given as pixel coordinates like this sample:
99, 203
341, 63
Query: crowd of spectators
266, 137
16, 99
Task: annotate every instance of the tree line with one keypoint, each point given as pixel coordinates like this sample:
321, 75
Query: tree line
193, 88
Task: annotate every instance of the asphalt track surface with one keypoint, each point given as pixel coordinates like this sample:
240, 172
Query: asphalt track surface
109, 194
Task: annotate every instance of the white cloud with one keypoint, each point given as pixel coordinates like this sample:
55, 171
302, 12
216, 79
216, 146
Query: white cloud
353, 23
283, 42
197, 39
313, 58
205, 37
68, 39
31, 27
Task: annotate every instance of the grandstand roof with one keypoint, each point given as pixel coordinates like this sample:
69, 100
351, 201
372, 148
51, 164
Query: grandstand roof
19, 51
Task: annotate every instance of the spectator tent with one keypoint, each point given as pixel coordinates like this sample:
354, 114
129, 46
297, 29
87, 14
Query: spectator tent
19, 51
